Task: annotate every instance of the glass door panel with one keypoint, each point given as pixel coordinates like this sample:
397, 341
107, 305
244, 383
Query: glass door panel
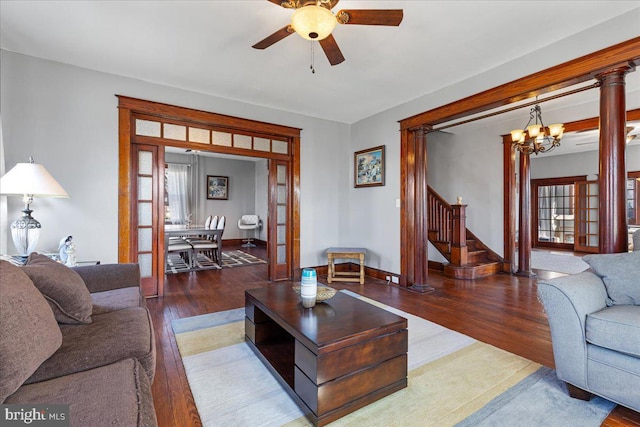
280, 265
586, 216
146, 203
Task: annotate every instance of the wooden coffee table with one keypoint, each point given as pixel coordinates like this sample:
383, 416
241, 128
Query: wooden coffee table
334, 358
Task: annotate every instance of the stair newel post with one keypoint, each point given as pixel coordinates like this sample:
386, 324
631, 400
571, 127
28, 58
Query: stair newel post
459, 231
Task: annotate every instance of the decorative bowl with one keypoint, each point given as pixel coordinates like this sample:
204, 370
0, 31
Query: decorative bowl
324, 292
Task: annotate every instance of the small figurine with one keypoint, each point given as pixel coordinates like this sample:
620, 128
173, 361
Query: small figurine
67, 251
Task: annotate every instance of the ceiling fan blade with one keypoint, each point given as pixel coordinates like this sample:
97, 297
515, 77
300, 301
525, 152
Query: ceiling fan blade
274, 38
390, 17
332, 50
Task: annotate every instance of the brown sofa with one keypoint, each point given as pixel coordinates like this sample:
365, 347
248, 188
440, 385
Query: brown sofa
81, 337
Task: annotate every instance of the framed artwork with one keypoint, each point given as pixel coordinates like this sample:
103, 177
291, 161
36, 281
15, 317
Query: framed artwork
217, 187
368, 167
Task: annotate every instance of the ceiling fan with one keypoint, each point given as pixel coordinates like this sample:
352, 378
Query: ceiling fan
313, 20
631, 135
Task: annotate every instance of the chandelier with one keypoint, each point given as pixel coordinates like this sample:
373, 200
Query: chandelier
537, 138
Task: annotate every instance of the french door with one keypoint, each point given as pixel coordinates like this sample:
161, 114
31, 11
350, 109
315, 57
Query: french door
587, 237
146, 208
146, 128
279, 217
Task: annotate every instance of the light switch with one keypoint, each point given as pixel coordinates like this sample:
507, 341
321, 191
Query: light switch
397, 203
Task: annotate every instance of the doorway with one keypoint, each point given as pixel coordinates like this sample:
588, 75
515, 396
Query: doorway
146, 127
188, 203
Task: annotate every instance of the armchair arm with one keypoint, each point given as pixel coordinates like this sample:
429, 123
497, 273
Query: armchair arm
568, 300
105, 277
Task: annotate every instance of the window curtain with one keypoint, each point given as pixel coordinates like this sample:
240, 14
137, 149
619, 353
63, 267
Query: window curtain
178, 193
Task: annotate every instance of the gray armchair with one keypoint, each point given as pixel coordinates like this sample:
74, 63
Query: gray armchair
596, 339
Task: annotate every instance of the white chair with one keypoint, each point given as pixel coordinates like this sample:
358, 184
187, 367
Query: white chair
211, 245
249, 222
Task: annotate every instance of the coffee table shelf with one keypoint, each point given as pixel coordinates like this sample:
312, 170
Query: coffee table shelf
332, 359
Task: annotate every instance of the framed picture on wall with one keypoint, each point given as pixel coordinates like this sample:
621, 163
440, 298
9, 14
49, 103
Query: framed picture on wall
368, 167
217, 187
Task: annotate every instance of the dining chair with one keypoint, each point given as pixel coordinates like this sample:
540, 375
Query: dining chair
210, 245
183, 248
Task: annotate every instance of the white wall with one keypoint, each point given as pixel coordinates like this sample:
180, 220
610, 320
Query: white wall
262, 196
66, 117
584, 163
242, 192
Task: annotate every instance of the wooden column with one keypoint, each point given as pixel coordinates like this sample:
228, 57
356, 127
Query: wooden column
524, 234
612, 177
509, 187
414, 233
459, 234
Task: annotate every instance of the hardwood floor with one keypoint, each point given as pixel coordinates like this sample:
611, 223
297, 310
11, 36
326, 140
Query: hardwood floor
502, 310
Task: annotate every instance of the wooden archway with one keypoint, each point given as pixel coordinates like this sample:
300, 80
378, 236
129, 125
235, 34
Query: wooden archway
609, 64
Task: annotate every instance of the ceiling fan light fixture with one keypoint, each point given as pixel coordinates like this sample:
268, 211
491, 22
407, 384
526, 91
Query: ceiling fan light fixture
313, 22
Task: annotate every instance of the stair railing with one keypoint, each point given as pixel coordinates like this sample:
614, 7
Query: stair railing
447, 227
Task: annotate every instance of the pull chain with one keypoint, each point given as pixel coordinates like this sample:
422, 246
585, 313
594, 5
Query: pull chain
313, 69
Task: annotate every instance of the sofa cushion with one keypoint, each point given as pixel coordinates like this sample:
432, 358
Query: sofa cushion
29, 333
117, 299
616, 328
620, 274
63, 288
118, 394
111, 337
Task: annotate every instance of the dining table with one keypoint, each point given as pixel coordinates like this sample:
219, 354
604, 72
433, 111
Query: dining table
192, 231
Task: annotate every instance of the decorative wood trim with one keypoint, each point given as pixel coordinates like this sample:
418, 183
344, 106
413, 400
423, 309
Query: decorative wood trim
204, 117
295, 204
551, 79
125, 169
132, 108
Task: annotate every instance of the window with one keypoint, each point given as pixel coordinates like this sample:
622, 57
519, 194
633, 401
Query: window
554, 211
633, 198
177, 194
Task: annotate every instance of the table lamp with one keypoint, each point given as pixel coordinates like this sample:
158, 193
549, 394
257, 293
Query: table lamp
28, 180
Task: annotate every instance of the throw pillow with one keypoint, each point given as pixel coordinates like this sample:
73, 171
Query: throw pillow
63, 288
620, 274
29, 334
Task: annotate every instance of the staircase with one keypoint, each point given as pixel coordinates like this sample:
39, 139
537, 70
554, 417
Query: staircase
468, 257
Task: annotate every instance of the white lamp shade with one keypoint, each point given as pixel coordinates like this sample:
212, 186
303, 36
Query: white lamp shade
556, 129
32, 179
533, 130
313, 22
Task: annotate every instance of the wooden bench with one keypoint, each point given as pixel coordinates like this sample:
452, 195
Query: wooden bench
345, 253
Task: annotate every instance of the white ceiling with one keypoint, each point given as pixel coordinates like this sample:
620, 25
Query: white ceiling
205, 46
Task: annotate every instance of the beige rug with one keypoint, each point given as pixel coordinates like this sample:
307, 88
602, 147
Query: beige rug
451, 378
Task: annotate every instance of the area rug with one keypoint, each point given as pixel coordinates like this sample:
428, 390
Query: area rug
239, 259
559, 262
453, 379
175, 264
